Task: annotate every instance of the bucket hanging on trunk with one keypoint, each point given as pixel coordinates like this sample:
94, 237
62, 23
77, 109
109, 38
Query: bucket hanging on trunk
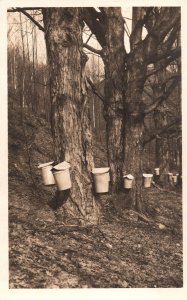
62, 176
175, 178
47, 175
128, 181
101, 179
157, 171
147, 179
170, 177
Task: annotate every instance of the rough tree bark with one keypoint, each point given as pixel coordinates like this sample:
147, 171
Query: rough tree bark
166, 146
161, 121
143, 52
125, 78
162, 143
134, 124
70, 121
114, 61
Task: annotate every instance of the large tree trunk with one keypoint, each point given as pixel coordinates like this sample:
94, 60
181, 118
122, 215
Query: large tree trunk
134, 126
133, 153
69, 118
114, 61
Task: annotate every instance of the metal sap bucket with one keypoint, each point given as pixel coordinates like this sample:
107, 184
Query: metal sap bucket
175, 178
47, 175
128, 181
101, 179
157, 171
62, 176
147, 179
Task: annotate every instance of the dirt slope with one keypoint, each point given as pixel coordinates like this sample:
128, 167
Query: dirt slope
122, 251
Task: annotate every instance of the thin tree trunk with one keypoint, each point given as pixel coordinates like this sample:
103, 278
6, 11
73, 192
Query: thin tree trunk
163, 153
14, 72
69, 117
23, 68
34, 102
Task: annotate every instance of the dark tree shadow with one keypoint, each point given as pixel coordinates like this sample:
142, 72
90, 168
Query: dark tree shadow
59, 199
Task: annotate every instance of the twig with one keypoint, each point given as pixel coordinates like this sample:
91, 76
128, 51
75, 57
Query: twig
19, 9
94, 89
142, 217
99, 52
104, 235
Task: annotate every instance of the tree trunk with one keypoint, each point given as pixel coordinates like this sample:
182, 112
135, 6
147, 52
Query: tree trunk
133, 160
69, 118
114, 61
134, 126
161, 120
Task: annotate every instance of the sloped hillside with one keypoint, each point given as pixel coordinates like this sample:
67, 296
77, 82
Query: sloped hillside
122, 251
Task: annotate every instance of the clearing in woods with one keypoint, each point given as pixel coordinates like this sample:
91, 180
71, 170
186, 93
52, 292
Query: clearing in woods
122, 251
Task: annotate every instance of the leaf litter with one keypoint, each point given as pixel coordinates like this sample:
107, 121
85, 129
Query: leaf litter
123, 251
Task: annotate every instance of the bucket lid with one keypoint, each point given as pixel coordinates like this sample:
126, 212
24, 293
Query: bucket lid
147, 175
45, 165
100, 170
170, 173
156, 169
62, 166
128, 176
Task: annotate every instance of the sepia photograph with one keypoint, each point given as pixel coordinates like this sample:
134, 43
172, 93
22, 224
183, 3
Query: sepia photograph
94, 147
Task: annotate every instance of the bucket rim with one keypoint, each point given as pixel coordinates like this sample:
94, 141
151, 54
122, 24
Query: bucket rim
62, 166
147, 175
59, 171
104, 170
128, 176
45, 164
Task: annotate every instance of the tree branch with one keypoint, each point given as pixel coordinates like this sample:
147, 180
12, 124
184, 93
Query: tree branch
94, 89
18, 9
166, 20
89, 38
162, 98
172, 36
163, 65
170, 55
137, 25
162, 131
90, 16
24, 8
140, 16
99, 52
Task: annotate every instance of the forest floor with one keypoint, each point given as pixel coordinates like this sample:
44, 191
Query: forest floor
122, 251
